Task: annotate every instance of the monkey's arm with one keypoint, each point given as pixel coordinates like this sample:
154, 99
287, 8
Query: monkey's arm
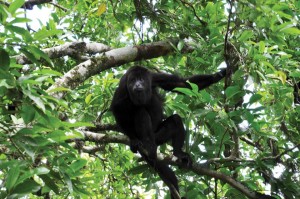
204, 81
169, 82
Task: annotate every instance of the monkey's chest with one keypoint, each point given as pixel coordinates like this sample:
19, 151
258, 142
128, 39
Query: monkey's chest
156, 115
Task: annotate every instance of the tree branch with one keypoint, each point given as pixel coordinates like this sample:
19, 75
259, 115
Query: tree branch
30, 3
73, 49
232, 60
196, 167
114, 58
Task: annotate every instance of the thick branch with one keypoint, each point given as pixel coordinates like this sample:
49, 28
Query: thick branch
105, 138
113, 58
196, 168
73, 49
30, 3
237, 185
106, 127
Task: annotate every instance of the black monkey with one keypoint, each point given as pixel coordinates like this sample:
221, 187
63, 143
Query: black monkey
138, 110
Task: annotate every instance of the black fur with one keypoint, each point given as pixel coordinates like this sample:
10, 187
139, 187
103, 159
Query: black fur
138, 110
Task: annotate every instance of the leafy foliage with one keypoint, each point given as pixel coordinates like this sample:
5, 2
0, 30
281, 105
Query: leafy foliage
43, 151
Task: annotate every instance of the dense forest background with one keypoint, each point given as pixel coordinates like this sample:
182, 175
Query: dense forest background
58, 138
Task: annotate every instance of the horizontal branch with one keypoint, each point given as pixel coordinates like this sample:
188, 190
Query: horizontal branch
104, 138
73, 49
29, 3
196, 168
114, 58
106, 127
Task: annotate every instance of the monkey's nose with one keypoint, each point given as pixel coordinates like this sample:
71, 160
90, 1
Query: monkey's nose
138, 87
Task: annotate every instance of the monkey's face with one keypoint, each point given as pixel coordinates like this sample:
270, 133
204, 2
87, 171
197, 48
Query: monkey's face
139, 88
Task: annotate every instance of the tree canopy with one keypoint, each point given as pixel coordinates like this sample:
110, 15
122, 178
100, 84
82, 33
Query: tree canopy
58, 138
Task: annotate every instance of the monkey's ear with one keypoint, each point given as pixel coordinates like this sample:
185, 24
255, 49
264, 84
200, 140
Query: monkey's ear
121, 90
123, 82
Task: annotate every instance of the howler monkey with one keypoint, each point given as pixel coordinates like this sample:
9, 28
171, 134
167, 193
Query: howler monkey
138, 110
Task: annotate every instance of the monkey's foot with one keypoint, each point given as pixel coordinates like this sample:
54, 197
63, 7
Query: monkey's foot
135, 145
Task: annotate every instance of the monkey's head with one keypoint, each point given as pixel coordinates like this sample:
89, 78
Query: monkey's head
139, 85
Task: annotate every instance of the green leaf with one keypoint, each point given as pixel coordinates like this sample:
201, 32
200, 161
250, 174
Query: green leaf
50, 183
21, 31
25, 175
55, 17
29, 55
180, 105
194, 87
285, 25
60, 136
88, 98
19, 20
48, 72
26, 145
268, 135
28, 113
25, 131
12, 177
45, 34
292, 31
37, 99
15, 5
6, 79
41, 170
282, 76
254, 98
78, 164
69, 182
38, 54
261, 47
185, 91
246, 35
180, 45
28, 186
232, 91
295, 74
4, 13
205, 96
4, 59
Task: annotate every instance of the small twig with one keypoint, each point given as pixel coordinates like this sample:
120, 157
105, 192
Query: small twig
29, 4
203, 23
281, 154
248, 141
228, 30
59, 6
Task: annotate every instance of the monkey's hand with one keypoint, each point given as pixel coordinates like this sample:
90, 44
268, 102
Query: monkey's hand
184, 158
147, 147
135, 144
222, 73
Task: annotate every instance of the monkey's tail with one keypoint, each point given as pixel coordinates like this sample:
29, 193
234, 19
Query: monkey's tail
165, 173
